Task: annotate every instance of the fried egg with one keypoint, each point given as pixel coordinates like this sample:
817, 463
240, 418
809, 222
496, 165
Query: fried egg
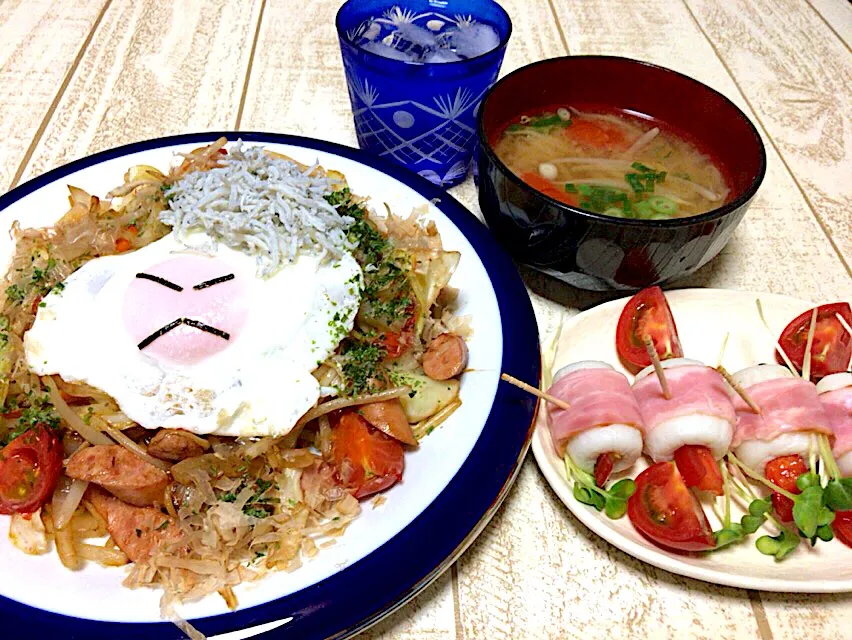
196, 340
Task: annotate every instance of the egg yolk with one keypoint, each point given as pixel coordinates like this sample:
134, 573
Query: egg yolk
149, 306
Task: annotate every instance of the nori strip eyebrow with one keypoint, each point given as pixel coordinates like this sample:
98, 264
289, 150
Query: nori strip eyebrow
206, 327
190, 323
210, 283
159, 333
159, 280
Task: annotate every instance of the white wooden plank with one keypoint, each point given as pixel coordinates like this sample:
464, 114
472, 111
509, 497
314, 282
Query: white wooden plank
429, 616
838, 15
797, 77
152, 69
40, 42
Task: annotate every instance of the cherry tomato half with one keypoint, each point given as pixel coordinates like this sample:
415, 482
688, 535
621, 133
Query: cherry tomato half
398, 342
699, 468
367, 461
832, 346
784, 471
665, 510
603, 467
646, 314
842, 527
29, 469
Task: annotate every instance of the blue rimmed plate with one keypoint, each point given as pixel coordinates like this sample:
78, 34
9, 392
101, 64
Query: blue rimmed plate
452, 485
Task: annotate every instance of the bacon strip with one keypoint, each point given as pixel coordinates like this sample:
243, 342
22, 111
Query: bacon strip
787, 405
695, 389
598, 397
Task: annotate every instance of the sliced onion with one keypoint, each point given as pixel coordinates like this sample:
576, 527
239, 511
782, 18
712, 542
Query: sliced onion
101, 555
252, 450
136, 448
74, 421
65, 548
66, 499
203, 567
325, 437
343, 403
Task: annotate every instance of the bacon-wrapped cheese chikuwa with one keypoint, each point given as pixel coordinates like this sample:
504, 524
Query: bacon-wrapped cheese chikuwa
790, 414
698, 413
604, 417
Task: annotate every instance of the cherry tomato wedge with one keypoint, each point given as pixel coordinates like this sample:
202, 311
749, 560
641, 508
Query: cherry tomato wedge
832, 346
842, 527
603, 467
784, 471
29, 469
646, 314
666, 511
699, 468
540, 183
366, 460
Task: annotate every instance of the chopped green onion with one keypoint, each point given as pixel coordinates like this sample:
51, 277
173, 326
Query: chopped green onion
570, 188
634, 182
614, 212
663, 205
641, 167
548, 121
643, 210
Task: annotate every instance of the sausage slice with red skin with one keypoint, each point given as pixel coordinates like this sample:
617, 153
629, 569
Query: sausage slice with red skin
176, 444
446, 357
137, 531
121, 472
388, 417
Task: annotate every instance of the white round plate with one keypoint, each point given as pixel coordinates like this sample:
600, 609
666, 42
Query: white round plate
452, 485
703, 317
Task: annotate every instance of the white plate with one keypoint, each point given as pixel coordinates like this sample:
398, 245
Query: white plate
703, 317
452, 484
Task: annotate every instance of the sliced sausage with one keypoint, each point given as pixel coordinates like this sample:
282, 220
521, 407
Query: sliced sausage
176, 444
137, 531
121, 472
389, 417
446, 357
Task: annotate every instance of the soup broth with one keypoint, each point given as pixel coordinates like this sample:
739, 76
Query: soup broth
612, 163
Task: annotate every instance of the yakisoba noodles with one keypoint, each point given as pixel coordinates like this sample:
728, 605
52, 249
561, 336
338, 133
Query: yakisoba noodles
211, 366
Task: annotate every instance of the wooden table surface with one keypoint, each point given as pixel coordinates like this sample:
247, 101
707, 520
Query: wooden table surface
80, 76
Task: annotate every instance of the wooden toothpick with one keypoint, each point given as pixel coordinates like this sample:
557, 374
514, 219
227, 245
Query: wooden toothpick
736, 386
806, 361
658, 367
722, 349
536, 392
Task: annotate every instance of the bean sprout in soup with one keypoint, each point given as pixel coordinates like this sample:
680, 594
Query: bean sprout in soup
612, 163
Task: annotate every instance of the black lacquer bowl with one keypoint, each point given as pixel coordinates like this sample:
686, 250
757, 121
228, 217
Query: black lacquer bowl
594, 251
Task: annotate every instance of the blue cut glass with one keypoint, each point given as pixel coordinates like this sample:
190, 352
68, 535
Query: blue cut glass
421, 115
